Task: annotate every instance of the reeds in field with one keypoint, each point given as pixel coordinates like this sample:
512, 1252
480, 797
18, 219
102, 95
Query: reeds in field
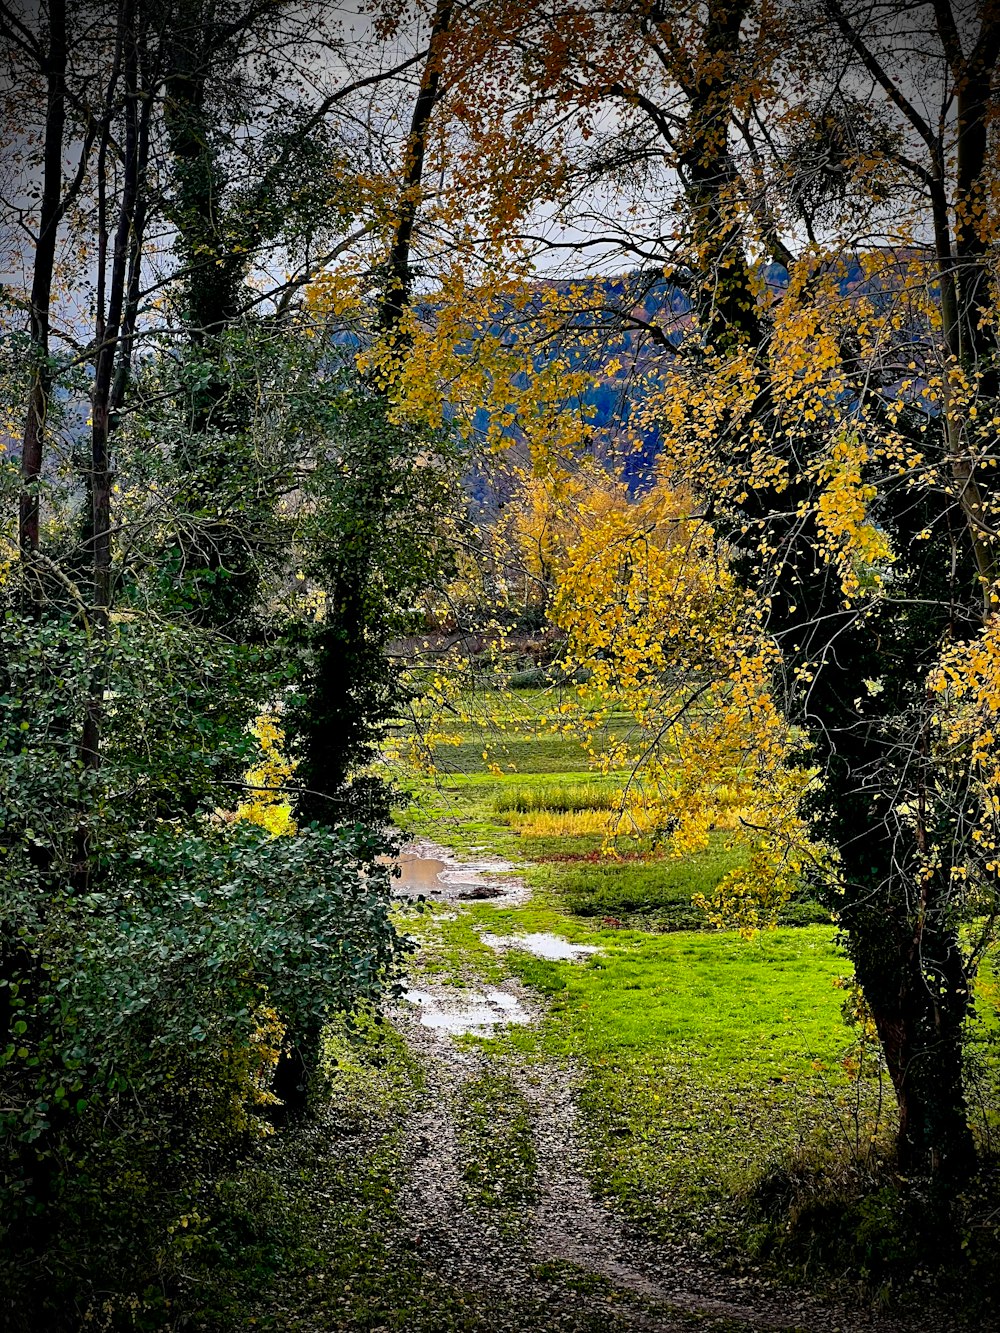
565, 810
557, 798
562, 823
574, 823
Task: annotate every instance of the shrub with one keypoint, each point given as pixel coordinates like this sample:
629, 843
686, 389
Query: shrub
151, 954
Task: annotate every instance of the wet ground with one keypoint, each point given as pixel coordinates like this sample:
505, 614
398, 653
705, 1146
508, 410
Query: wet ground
467, 1011
561, 1250
428, 870
542, 944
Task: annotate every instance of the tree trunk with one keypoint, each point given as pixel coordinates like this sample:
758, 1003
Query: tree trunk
400, 275
295, 1073
110, 324
33, 445
727, 307
924, 1060
217, 552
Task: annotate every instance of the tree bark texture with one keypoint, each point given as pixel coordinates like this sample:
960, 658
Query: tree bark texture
33, 444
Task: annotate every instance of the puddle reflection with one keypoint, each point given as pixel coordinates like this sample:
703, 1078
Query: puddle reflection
468, 1011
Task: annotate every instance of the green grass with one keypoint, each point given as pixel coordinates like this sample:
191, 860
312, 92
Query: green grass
718, 1084
660, 890
520, 753
495, 1137
658, 893
506, 730
726, 1001
707, 1061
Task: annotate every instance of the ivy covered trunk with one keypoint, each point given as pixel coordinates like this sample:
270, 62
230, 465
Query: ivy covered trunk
215, 557
924, 1057
917, 991
895, 801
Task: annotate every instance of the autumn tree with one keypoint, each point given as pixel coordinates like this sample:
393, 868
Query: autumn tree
811, 331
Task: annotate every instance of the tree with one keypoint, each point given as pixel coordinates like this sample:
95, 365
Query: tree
829, 403
374, 541
52, 62
147, 929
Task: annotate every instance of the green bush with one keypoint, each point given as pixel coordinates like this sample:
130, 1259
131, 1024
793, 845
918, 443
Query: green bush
534, 678
148, 964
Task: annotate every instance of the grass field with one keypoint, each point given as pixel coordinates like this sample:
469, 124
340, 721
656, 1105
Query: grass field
722, 1093
707, 1063
550, 813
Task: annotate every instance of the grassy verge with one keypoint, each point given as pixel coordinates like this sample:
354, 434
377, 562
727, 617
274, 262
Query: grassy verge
707, 1062
496, 1142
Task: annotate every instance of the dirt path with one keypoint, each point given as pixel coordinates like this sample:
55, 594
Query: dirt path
562, 1250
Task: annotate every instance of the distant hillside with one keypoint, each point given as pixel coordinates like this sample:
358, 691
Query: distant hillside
639, 319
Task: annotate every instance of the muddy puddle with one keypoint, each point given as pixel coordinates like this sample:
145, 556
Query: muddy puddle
418, 874
467, 1011
429, 871
542, 945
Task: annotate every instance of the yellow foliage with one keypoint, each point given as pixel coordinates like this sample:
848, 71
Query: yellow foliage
338, 294
460, 361
248, 1070
847, 538
8, 555
268, 779
965, 685
652, 613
